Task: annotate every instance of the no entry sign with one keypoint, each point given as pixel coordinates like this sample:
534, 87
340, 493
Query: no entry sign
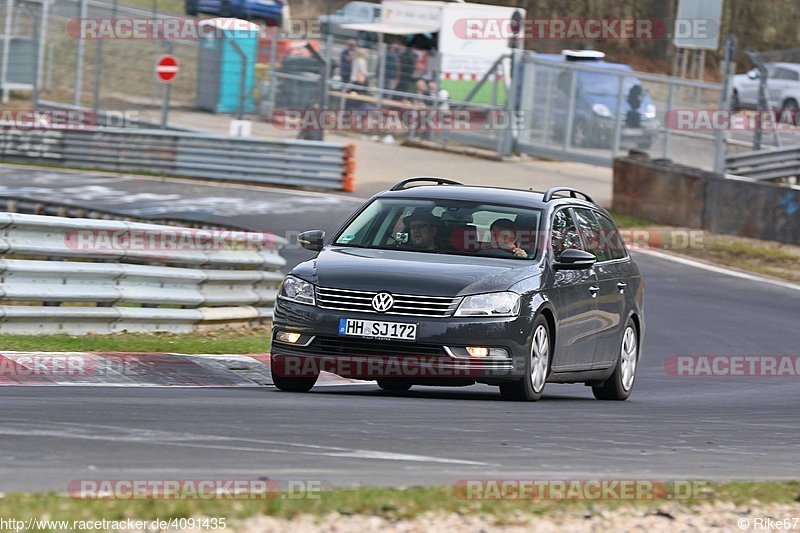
167, 68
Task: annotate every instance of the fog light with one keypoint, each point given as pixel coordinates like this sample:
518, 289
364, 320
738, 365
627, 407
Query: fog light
285, 336
476, 351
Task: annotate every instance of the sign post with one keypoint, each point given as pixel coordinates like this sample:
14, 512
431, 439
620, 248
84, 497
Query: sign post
166, 72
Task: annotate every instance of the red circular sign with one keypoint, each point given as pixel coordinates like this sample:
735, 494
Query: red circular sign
167, 68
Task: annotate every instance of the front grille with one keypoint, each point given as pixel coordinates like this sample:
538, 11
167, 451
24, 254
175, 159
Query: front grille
404, 304
362, 347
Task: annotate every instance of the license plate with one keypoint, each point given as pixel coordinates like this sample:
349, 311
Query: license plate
377, 329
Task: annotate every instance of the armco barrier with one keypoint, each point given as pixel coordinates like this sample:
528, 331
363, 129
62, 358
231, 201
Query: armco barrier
780, 163
323, 165
104, 276
684, 196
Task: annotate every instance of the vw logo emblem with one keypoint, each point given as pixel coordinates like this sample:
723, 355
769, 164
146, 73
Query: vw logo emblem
382, 302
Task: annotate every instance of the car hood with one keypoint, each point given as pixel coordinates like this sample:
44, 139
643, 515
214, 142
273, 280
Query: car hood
404, 272
610, 101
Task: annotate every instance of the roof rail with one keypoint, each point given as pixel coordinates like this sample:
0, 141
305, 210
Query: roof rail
572, 192
438, 181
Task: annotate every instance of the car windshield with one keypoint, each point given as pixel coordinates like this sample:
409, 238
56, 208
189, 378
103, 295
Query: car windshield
446, 227
605, 84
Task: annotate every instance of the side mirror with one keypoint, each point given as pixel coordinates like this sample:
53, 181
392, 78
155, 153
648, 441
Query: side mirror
753, 74
574, 260
312, 240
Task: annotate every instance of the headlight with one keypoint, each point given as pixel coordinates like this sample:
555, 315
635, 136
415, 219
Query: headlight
491, 304
297, 290
601, 110
650, 112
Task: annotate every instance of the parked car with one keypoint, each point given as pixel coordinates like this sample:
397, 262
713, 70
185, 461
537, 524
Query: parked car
596, 102
507, 287
269, 11
353, 12
783, 88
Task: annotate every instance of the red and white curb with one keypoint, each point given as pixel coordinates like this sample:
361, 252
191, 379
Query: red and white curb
144, 369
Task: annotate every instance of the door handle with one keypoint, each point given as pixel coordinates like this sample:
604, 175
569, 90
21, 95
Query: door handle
621, 286
594, 289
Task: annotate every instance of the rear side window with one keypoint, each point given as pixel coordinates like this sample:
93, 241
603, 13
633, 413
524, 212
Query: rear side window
613, 239
592, 236
564, 234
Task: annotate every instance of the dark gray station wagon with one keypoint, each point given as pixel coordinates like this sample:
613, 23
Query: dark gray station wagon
437, 283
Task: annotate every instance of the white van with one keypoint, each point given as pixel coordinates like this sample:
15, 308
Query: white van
464, 59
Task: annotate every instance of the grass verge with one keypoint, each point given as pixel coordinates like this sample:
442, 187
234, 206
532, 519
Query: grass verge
222, 341
773, 259
384, 502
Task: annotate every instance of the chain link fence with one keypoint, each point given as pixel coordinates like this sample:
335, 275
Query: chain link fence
541, 105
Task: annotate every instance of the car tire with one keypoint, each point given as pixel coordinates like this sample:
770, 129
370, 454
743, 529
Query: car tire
619, 386
735, 103
302, 383
191, 8
394, 385
790, 106
530, 387
225, 9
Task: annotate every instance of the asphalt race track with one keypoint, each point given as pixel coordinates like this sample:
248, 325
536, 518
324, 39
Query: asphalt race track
671, 428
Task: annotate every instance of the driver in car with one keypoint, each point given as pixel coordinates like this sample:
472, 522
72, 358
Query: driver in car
423, 227
504, 237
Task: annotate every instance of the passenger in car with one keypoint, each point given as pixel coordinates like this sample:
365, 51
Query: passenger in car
504, 237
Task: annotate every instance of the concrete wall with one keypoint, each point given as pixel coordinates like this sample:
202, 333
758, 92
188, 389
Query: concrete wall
684, 196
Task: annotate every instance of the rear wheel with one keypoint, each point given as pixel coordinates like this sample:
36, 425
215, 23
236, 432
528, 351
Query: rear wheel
531, 386
619, 386
394, 385
191, 8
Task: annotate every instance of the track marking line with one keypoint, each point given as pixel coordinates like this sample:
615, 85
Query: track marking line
719, 269
190, 440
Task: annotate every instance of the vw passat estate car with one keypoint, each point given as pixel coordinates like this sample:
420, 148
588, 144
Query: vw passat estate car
437, 283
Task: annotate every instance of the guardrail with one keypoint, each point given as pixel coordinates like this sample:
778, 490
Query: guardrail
104, 276
324, 165
766, 164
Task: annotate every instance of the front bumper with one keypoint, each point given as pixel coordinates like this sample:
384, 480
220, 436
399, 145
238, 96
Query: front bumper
437, 356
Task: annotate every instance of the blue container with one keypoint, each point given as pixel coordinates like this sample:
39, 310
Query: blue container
220, 65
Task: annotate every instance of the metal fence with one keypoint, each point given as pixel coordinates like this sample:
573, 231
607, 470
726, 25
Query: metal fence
297, 163
62, 275
576, 111
539, 106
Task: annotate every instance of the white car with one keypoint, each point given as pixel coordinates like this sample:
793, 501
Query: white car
783, 88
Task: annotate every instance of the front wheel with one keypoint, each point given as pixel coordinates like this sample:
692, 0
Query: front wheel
394, 385
531, 386
287, 376
619, 386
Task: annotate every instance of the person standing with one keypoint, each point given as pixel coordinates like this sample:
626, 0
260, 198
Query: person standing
346, 61
408, 62
359, 75
391, 74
